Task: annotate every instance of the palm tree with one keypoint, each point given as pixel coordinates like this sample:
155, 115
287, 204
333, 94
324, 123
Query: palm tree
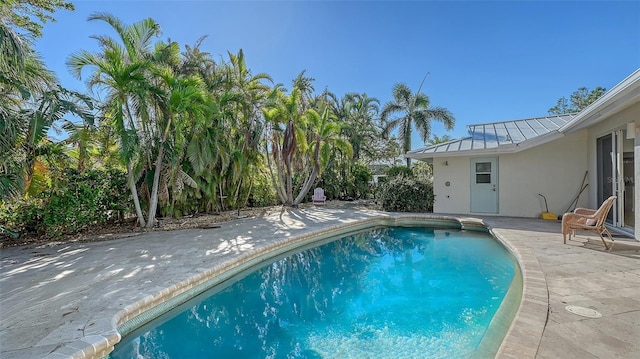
304, 84
196, 62
120, 70
21, 22
103, 148
325, 136
358, 117
359, 113
413, 110
207, 141
284, 136
246, 125
184, 105
299, 144
23, 77
48, 110
436, 139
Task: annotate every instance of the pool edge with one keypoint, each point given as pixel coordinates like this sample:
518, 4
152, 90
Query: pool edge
525, 333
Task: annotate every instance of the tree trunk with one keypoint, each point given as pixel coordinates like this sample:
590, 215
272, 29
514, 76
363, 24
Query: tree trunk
221, 196
130, 178
312, 177
237, 196
289, 144
277, 183
289, 182
307, 186
134, 194
153, 201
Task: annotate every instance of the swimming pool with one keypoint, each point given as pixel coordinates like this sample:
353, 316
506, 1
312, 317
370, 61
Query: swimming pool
387, 292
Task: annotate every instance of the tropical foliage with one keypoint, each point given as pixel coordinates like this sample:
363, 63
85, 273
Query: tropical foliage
407, 194
399, 171
412, 110
165, 130
435, 139
30, 100
578, 100
74, 201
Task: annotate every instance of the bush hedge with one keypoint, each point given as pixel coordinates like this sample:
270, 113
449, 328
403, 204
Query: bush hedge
406, 194
400, 171
75, 202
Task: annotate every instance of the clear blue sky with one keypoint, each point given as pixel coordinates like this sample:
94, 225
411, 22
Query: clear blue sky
488, 60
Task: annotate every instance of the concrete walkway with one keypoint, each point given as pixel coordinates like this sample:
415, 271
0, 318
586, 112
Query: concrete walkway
66, 300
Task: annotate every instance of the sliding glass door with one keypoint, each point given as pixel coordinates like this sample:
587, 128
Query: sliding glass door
615, 158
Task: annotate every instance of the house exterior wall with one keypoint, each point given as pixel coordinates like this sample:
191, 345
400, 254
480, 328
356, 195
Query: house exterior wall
456, 197
637, 178
615, 122
555, 169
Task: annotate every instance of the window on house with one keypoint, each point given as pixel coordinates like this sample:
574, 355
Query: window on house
483, 172
483, 178
483, 167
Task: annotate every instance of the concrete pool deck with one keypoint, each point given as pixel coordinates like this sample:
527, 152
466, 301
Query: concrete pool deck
66, 300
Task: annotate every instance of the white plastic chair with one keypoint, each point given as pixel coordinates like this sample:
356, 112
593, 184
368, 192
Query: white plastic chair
318, 196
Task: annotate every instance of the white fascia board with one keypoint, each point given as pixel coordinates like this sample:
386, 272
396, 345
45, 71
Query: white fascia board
597, 111
504, 149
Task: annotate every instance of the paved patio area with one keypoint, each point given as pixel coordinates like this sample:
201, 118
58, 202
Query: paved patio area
66, 300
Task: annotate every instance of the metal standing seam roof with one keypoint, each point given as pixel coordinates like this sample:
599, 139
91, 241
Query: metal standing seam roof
492, 135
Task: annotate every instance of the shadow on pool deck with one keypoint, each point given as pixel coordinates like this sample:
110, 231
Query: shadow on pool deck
62, 300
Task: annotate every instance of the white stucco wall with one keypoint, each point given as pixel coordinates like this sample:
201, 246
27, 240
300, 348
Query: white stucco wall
455, 197
555, 169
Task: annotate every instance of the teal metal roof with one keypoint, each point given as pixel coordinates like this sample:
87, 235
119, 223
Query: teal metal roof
492, 135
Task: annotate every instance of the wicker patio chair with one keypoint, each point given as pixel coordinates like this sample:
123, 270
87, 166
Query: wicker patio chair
588, 220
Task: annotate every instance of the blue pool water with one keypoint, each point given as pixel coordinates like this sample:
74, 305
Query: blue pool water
395, 292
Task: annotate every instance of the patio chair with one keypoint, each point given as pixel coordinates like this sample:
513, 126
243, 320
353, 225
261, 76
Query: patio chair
589, 220
318, 196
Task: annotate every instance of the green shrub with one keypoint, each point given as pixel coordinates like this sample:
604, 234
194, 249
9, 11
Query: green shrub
21, 215
422, 170
361, 178
262, 192
79, 200
405, 194
351, 181
400, 171
74, 202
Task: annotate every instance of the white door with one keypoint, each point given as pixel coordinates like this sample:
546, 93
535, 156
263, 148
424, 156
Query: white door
484, 185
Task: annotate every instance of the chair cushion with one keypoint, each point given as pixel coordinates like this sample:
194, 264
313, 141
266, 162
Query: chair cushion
592, 222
